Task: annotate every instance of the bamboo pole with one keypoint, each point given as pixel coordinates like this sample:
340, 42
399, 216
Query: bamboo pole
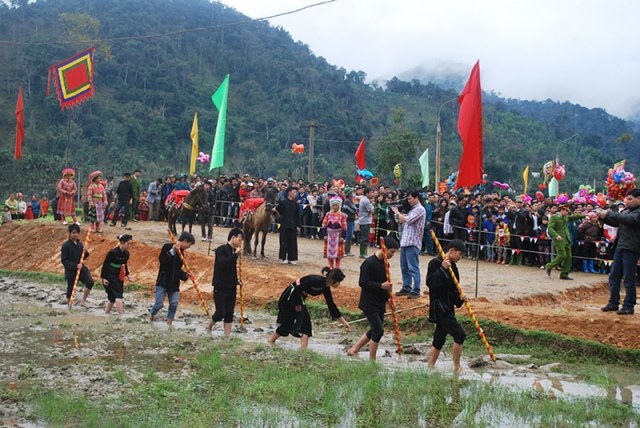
466, 304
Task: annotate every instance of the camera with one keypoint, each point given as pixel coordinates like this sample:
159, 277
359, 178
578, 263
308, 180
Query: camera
402, 204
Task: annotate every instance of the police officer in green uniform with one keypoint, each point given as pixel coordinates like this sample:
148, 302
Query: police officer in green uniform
558, 231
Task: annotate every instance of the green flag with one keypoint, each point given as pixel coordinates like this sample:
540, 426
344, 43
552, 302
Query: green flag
219, 99
424, 167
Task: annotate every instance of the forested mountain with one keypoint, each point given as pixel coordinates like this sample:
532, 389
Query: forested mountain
158, 62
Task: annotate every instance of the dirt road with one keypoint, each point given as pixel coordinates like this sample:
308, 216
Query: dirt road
519, 296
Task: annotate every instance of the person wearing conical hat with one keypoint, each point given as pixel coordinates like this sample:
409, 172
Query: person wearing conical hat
67, 189
97, 199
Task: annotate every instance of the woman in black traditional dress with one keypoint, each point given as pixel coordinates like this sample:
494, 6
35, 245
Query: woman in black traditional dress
293, 315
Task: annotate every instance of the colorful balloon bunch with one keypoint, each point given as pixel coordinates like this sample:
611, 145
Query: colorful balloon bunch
619, 183
585, 195
562, 198
203, 157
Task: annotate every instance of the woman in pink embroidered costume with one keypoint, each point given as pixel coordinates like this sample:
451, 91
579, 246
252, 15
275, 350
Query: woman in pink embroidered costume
67, 189
335, 224
97, 199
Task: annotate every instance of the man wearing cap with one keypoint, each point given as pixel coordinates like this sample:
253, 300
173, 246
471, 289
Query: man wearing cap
625, 258
558, 231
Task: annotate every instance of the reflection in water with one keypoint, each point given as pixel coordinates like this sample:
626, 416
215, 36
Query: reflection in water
621, 393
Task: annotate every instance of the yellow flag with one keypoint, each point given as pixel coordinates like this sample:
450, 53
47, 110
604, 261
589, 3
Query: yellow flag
525, 177
194, 144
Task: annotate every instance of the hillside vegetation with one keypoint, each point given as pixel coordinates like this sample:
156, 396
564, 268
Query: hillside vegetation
158, 62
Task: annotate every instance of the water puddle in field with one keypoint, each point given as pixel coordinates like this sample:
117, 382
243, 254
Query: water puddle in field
44, 344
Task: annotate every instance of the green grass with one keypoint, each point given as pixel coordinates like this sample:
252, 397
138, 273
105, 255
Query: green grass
44, 277
235, 384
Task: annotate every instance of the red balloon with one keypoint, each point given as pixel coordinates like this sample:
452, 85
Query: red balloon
297, 148
559, 172
601, 200
539, 196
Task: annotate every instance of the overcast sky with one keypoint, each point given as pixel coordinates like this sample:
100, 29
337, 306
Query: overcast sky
586, 52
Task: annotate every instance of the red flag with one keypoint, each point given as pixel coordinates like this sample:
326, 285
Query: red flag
19, 124
470, 129
360, 155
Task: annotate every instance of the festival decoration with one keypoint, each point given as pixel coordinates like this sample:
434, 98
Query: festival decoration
562, 198
466, 304
297, 148
559, 172
392, 301
203, 157
553, 187
542, 186
539, 196
195, 156
619, 181
360, 155
470, 130
75, 281
191, 277
397, 171
219, 99
451, 180
338, 183
364, 173
503, 186
19, 125
602, 201
73, 79
526, 199
547, 170
585, 195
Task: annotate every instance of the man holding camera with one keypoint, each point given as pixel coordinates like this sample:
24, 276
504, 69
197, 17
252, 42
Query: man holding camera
410, 244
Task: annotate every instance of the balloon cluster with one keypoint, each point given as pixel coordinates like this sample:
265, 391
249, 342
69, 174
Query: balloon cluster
297, 148
503, 186
562, 198
203, 157
585, 195
619, 183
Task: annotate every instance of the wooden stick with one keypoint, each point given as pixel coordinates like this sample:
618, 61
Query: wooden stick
75, 282
392, 302
389, 313
239, 267
193, 281
466, 304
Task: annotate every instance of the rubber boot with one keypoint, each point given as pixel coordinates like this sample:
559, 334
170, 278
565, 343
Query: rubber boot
347, 247
520, 257
513, 259
591, 266
585, 266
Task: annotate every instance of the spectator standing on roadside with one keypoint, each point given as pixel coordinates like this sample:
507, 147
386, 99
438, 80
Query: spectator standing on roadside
627, 253
410, 245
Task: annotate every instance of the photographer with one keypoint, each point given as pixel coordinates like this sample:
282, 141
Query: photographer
410, 244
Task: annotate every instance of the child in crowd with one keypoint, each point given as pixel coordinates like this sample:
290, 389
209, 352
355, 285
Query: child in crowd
6, 215
489, 229
502, 240
544, 243
472, 237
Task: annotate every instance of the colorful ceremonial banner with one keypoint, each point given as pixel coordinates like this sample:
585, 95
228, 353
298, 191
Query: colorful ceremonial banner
73, 78
360, 159
525, 177
19, 125
470, 129
219, 99
194, 144
424, 167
